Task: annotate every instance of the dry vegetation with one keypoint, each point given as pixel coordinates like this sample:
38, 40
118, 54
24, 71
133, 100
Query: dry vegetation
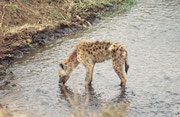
22, 20
18, 14
106, 111
4, 113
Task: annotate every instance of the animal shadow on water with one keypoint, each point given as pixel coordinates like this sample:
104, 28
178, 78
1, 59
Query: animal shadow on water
122, 97
89, 99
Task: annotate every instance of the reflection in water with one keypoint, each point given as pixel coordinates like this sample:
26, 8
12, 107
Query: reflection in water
66, 93
90, 99
121, 97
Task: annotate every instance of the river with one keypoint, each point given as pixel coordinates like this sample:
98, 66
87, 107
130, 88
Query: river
150, 31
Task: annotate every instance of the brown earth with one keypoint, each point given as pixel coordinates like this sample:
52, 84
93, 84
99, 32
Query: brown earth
27, 24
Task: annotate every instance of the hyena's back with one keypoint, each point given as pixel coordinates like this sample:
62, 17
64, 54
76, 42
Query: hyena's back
99, 51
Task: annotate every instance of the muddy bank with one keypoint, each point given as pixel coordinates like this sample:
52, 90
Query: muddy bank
16, 45
24, 40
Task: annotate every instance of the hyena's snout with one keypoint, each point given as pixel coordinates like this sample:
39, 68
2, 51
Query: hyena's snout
62, 76
61, 79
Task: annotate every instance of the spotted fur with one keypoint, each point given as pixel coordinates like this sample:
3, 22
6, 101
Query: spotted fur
89, 53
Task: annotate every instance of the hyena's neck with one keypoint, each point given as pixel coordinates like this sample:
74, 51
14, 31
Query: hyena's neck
71, 61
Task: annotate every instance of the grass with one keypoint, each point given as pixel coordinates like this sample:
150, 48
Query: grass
20, 13
5, 113
9, 55
128, 4
2, 71
106, 111
29, 45
112, 111
21, 19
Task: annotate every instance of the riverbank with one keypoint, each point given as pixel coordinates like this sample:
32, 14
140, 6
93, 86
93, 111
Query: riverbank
27, 25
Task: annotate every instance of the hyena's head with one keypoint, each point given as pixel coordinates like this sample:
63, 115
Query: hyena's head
64, 73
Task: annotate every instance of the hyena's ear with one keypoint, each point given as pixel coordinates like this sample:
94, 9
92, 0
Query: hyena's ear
61, 65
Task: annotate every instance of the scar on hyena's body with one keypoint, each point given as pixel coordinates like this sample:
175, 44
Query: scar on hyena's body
89, 53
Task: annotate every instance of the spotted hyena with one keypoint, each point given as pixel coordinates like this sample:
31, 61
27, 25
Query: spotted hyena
90, 52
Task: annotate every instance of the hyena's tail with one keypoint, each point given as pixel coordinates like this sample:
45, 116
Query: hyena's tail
113, 48
126, 63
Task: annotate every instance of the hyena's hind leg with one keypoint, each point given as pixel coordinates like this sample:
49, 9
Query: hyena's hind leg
118, 62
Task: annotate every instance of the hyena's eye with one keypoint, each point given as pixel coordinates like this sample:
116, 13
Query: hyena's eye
61, 65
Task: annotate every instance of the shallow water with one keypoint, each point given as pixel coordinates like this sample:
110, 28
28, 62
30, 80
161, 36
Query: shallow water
151, 33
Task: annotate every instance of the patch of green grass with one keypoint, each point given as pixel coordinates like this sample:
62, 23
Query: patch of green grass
29, 45
25, 1
98, 15
2, 71
86, 10
9, 55
127, 4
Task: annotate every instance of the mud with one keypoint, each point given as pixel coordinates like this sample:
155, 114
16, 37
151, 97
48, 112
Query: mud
14, 46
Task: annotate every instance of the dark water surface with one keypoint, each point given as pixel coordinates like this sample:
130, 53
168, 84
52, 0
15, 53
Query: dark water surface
151, 33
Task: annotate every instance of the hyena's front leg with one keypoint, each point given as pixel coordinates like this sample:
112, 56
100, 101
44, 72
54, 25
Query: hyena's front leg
118, 67
89, 72
89, 65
